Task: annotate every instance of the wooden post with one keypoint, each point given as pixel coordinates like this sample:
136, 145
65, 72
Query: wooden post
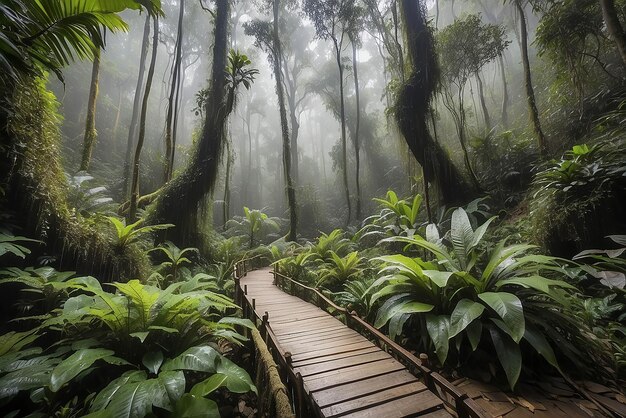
299, 395
265, 320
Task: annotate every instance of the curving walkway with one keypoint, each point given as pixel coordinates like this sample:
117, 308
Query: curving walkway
343, 373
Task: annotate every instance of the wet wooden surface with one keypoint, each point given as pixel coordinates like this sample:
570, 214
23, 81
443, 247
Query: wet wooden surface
345, 374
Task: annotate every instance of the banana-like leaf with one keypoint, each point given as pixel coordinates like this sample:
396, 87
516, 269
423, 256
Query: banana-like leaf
461, 235
190, 406
474, 333
509, 308
464, 313
238, 380
539, 342
398, 305
509, 355
75, 364
539, 283
199, 359
438, 327
105, 395
209, 385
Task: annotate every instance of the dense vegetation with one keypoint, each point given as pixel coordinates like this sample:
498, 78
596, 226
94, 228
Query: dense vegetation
452, 171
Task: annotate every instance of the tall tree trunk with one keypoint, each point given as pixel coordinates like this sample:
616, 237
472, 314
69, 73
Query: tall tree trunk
90, 123
132, 212
530, 93
483, 104
291, 192
505, 93
342, 116
357, 144
413, 107
136, 103
616, 30
116, 124
396, 39
171, 101
181, 200
436, 14
226, 207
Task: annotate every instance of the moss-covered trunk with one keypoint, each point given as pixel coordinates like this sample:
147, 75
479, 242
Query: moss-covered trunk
90, 123
181, 200
36, 190
413, 107
291, 192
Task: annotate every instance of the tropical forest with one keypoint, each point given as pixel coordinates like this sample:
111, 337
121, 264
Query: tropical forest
313, 208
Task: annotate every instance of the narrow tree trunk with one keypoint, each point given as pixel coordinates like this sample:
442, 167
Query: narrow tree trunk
226, 207
483, 104
136, 103
90, 122
171, 104
291, 192
396, 25
436, 14
132, 212
116, 124
616, 30
505, 93
342, 116
357, 144
530, 93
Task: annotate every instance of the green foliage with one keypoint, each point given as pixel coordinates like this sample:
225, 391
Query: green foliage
397, 217
326, 244
84, 199
255, 225
339, 270
236, 71
575, 198
460, 298
357, 296
49, 35
45, 288
153, 342
466, 46
9, 244
176, 258
130, 234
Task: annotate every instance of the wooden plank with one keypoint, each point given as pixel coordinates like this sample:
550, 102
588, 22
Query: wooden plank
295, 317
398, 408
313, 335
326, 397
423, 399
326, 366
306, 348
323, 339
351, 374
331, 357
330, 351
440, 413
291, 333
306, 324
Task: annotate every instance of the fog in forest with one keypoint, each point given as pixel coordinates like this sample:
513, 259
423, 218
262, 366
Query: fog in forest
252, 158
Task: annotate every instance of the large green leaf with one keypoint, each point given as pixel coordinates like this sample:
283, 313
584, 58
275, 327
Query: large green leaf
397, 305
104, 397
190, 406
238, 380
539, 342
461, 235
464, 313
509, 308
438, 327
75, 364
209, 385
440, 278
539, 283
509, 355
199, 359
153, 361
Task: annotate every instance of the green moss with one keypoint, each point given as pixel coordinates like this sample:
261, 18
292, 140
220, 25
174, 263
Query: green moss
37, 190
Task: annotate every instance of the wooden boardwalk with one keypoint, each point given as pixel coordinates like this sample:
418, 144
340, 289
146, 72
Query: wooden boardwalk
343, 373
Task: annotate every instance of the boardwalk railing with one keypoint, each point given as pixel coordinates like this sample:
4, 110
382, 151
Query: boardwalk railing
456, 400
